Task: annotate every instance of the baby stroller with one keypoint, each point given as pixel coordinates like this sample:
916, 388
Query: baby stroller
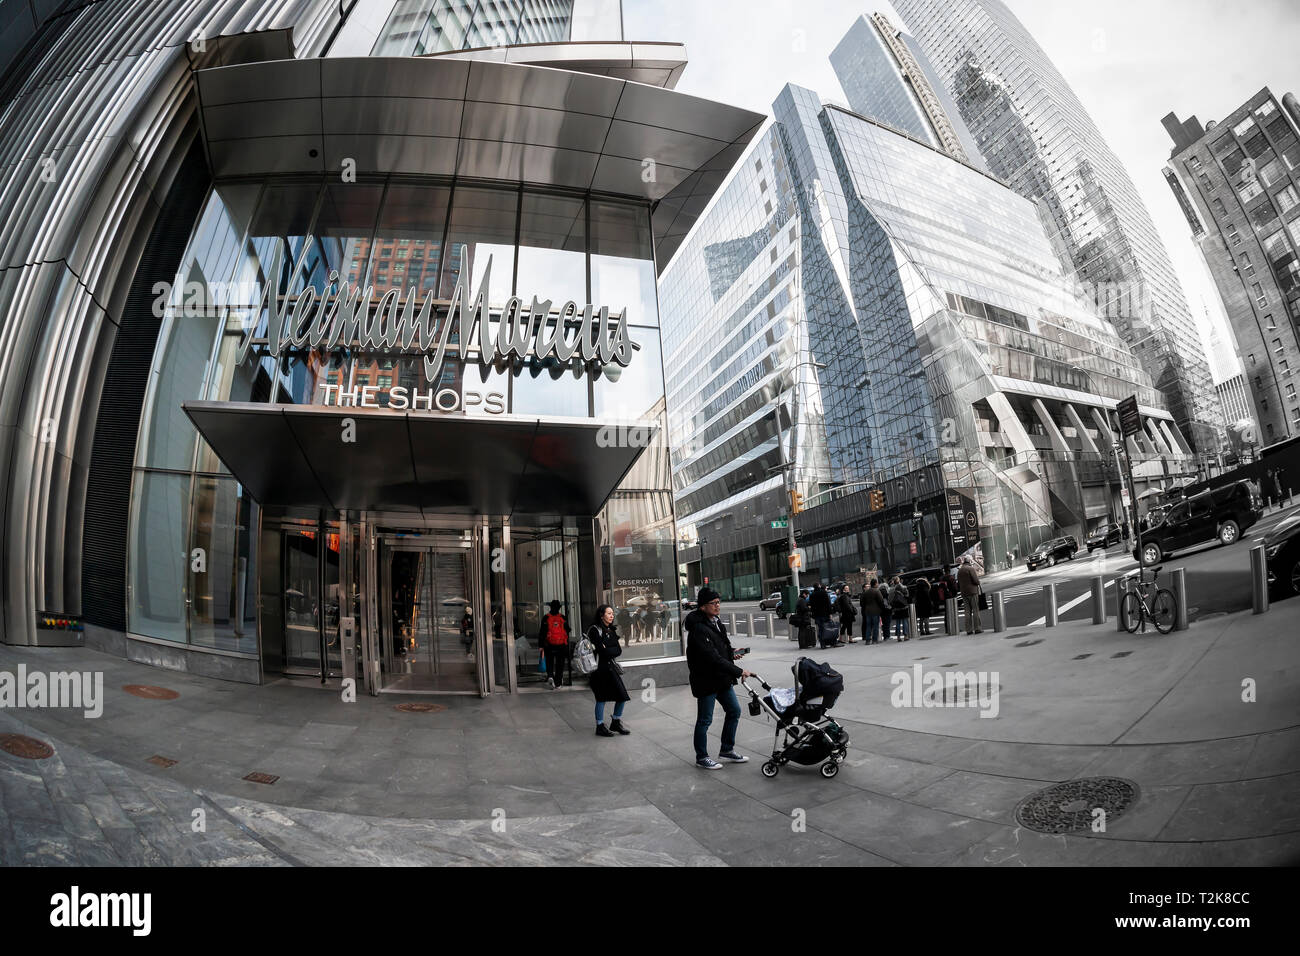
811, 736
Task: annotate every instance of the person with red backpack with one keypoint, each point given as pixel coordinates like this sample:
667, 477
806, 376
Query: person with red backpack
554, 640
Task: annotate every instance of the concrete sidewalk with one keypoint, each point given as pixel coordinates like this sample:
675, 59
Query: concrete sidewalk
524, 780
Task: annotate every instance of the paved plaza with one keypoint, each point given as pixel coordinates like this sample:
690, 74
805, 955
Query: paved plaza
522, 780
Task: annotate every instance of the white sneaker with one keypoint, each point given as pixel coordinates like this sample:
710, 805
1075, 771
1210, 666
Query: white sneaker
550, 683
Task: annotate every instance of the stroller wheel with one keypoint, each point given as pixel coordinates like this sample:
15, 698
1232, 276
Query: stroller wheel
770, 769
830, 768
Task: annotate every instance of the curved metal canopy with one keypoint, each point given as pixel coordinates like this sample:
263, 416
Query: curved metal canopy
422, 462
435, 116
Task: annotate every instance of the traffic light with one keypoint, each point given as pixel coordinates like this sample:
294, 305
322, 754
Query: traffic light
877, 500
796, 502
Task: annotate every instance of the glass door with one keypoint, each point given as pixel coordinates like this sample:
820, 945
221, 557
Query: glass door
429, 638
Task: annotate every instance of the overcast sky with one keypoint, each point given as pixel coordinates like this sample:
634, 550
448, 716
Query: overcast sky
1129, 61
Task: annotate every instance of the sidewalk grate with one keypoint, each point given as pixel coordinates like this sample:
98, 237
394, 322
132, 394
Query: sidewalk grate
259, 777
1069, 807
420, 707
966, 692
29, 748
160, 761
150, 692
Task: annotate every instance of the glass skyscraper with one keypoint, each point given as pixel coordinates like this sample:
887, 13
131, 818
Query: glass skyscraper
897, 320
1034, 133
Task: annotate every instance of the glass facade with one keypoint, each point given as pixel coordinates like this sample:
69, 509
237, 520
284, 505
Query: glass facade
417, 27
898, 321
194, 553
1035, 134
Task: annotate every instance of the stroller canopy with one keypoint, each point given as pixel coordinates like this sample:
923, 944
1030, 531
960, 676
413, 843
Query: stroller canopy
817, 680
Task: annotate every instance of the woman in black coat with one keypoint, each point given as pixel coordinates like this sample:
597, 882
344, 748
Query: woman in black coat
607, 678
924, 607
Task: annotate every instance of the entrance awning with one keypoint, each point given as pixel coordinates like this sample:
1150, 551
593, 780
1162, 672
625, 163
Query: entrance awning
422, 462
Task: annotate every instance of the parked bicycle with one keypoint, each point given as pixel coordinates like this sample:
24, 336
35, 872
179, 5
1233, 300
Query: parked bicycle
1146, 601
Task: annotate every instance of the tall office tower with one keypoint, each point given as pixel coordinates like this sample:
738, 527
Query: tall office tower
1034, 133
893, 323
887, 78
1238, 183
417, 27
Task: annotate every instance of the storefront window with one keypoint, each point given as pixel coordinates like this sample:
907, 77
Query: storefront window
408, 239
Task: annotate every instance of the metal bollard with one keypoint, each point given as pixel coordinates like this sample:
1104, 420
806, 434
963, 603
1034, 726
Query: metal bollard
1121, 617
950, 616
999, 613
911, 620
1098, 600
749, 618
1179, 578
1049, 604
731, 622
1258, 580
771, 625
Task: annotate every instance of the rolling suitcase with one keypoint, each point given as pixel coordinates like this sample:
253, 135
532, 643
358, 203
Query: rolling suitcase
831, 633
807, 636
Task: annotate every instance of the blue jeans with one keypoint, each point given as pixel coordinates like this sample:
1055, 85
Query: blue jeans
900, 624
871, 627
704, 717
600, 710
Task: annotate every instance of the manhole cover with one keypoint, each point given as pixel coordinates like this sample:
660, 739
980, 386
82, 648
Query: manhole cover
1068, 807
420, 707
150, 692
1082, 657
27, 747
161, 761
1037, 640
965, 692
259, 777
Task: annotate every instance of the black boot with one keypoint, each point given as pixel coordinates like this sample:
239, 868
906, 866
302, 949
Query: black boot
616, 725
603, 731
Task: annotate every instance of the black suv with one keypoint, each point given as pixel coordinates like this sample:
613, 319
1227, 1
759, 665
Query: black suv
1222, 513
1104, 536
1282, 549
1049, 552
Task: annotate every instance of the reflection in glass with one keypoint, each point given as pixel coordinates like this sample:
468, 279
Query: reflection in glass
481, 229
407, 250
223, 609
301, 599
158, 557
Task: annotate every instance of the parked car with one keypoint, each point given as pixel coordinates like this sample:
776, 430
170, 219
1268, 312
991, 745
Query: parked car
1103, 537
1049, 552
771, 602
1282, 549
1222, 513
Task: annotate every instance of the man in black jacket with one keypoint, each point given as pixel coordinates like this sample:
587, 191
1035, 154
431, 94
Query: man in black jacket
821, 610
711, 662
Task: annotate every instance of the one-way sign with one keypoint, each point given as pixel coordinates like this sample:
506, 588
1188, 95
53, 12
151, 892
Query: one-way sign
1130, 419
